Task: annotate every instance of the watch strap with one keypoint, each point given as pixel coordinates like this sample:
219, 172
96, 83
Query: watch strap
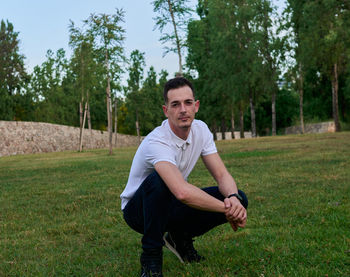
237, 196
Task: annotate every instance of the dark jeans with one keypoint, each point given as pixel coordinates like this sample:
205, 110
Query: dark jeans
153, 210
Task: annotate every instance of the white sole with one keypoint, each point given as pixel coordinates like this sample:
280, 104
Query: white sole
172, 249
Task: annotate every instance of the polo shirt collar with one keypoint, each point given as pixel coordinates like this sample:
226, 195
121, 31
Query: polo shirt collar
180, 143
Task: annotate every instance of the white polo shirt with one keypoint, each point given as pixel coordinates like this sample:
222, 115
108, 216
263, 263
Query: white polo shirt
163, 145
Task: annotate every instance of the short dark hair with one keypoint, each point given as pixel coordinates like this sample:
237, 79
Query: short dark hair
177, 82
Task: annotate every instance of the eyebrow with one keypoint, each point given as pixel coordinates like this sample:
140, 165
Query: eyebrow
178, 101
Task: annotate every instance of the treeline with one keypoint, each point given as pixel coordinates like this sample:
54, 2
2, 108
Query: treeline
80, 89
253, 69
267, 70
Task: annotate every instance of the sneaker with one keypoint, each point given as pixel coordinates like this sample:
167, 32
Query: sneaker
183, 249
147, 273
151, 263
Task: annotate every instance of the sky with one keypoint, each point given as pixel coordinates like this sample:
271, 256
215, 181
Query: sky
43, 25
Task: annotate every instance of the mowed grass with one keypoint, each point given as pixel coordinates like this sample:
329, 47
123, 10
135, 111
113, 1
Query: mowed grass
60, 212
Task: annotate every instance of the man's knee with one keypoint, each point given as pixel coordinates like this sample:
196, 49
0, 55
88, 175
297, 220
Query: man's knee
244, 201
214, 191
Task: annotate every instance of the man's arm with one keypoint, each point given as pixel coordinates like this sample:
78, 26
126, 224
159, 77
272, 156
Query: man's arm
234, 212
186, 192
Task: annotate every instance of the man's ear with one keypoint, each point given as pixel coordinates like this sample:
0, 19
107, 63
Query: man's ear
197, 104
165, 110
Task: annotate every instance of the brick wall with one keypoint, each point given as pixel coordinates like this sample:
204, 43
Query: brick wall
20, 137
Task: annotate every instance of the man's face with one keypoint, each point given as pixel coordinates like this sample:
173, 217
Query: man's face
181, 108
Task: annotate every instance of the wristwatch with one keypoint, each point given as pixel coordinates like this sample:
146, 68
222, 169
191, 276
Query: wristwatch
237, 196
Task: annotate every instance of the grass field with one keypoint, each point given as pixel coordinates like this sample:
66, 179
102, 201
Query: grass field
60, 212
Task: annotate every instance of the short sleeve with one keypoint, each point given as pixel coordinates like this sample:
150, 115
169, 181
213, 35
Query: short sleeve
158, 151
209, 146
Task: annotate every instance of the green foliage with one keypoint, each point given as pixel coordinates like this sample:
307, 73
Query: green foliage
51, 87
175, 13
139, 95
108, 34
322, 43
135, 99
152, 93
61, 216
89, 74
236, 54
12, 72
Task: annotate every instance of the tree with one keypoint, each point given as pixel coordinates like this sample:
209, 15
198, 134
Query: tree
83, 64
293, 21
174, 12
208, 43
51, 86
132, 91
12, 71
334, 39
147, 97
226, 48
322, 31
272, 47
108, 38
152, 93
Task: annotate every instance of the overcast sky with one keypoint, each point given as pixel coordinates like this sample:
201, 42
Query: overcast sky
43, 25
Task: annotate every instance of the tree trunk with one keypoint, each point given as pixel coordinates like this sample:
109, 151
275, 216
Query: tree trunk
214, 129
252, 115
115, 122
335, 86
82, 129
178, 46
273, 108
82, 88
89, 118
223, 129
241, 121
301, 101
81, 114
109, 107
232, 124
80, 122
138, 127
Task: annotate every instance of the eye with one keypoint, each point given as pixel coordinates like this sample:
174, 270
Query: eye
189, 102
174, 104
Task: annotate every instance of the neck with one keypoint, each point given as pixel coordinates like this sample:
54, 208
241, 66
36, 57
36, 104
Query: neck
182, 133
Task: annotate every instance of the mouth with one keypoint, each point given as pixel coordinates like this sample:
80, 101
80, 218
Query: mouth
185, 118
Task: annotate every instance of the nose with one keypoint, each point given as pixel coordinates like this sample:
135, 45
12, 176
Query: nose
183, 107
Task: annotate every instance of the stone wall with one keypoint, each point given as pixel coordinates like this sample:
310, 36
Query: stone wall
228, 135
20, 137
324, 127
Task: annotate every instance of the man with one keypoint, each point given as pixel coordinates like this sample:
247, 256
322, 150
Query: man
158, 199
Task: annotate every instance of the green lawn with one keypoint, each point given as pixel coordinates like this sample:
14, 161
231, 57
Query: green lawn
60, 212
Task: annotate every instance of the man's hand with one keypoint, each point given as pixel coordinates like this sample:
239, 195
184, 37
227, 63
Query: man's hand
235, 213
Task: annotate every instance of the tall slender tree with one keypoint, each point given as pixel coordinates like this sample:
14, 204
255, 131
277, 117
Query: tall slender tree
132, 91
292, 25
153, 98
175, 13
108, 36
272, 46
83, 63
